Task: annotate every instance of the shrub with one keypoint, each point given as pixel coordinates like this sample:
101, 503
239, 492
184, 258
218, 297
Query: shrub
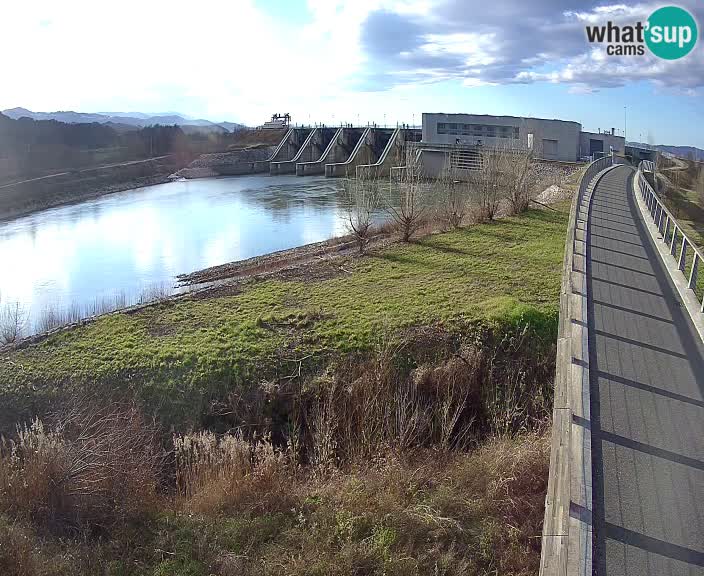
452, 195
13, 319
409, 215
362, 200
93, 469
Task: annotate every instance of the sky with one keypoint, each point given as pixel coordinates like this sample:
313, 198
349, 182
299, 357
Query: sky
359, 61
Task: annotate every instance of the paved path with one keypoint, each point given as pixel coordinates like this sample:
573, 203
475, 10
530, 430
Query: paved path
647, 394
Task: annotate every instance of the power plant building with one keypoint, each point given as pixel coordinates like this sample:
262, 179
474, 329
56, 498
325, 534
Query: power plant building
560, 140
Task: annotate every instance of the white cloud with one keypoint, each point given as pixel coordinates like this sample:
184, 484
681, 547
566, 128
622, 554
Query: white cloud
519, 42
228, 59
215, 58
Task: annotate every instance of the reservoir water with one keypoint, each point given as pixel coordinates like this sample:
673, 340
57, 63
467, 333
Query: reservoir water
116, 246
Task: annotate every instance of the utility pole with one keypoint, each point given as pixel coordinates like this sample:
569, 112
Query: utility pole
625, 133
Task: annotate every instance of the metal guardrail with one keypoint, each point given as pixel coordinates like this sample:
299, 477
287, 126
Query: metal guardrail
672, 234
647, 166
566, 541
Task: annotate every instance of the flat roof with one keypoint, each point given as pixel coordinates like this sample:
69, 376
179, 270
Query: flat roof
501, 116
603, 134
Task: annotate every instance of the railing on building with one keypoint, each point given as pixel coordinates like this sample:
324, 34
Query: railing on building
688, 256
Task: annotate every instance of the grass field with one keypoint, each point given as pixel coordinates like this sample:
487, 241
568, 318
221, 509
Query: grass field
398, 424
193, 350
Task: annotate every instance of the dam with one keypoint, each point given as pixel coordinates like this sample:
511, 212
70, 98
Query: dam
334, 152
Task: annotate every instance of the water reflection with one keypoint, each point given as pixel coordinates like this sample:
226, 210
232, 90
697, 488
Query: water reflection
118, 244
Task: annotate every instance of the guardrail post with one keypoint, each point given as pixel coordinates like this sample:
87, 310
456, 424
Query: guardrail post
683, 254
673, 241
693, 273
667, 228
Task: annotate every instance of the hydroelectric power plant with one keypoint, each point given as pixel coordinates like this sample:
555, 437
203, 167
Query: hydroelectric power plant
459, 140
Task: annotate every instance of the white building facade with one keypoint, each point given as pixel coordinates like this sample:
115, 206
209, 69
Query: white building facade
560, 140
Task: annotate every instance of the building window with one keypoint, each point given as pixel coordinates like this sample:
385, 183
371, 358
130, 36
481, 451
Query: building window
478, 130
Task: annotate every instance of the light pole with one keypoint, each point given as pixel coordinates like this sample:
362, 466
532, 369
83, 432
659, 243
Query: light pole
625, 125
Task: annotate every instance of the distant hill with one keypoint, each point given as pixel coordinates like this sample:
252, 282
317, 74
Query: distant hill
231, 126
680, 151
121, 120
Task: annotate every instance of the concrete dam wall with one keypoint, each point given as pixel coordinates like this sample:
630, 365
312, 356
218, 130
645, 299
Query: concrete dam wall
334, 152
393, 155
368, 150
312, 149
288, 148
340, 148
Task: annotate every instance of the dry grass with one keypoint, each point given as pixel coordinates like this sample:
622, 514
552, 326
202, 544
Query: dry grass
227, 473
93, 469
424, 512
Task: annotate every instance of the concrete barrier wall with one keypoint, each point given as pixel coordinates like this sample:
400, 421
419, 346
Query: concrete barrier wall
567, 528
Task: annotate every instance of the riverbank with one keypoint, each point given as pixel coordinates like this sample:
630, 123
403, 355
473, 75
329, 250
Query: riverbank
26, 197
499, 272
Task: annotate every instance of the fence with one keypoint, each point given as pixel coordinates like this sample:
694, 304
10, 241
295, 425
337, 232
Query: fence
688, 256
566, 542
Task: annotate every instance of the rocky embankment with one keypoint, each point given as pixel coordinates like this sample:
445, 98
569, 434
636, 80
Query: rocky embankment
230, 163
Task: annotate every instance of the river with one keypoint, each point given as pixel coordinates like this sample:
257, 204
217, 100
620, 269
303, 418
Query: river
116, 247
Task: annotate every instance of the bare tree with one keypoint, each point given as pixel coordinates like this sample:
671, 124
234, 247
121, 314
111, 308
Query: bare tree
12, 323
362, 199
520, 175
488, 186
410, 213
452, 196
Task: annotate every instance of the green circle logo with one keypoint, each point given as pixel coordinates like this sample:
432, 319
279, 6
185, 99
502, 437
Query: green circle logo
671, 32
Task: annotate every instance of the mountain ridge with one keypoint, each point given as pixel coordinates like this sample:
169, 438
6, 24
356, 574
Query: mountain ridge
137, 119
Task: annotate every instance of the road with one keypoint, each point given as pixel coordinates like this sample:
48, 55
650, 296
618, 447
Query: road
647, 393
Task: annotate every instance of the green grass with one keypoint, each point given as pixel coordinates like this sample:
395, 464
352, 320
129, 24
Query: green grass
191, 350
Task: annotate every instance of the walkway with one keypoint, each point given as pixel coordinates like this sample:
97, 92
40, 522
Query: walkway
647, 394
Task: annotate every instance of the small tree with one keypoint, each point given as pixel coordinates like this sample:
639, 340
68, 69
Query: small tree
451, 195
410, 212
362, 200
12, 322
520, 178
487, 184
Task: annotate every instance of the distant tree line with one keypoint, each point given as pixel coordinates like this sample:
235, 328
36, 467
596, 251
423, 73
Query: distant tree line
33, 147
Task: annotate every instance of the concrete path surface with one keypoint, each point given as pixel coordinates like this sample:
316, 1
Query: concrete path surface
647, 394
